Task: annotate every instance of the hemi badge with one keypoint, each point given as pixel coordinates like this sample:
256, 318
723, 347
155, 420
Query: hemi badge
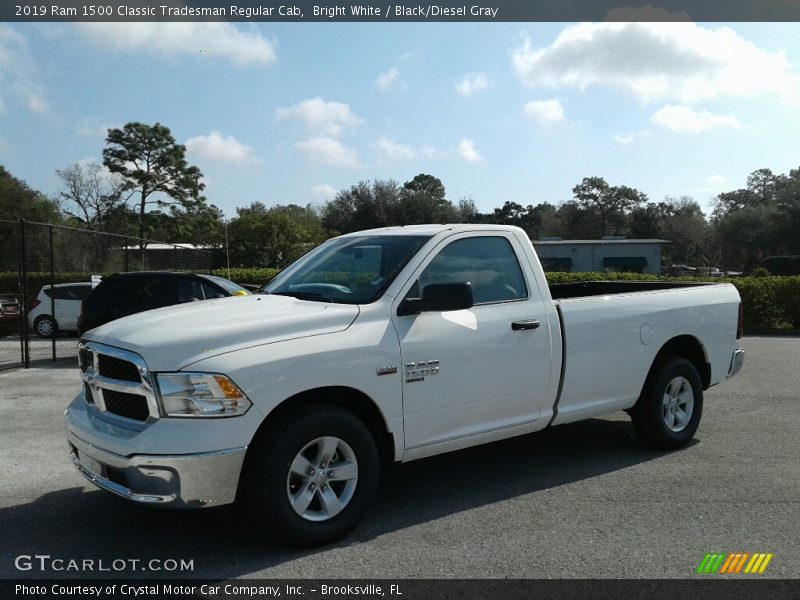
386, 371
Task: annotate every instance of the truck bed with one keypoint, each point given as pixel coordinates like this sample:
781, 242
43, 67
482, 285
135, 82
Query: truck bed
581, 289
612, 330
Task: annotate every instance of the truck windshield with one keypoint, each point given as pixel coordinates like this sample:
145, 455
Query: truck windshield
349, 270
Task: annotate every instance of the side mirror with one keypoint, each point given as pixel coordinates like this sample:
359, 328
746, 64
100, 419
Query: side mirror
438, 297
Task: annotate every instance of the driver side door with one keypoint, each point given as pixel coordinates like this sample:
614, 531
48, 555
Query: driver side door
468, 372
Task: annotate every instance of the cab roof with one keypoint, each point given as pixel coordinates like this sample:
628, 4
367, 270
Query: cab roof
429, 229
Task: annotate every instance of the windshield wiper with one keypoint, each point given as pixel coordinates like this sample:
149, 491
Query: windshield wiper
313, 296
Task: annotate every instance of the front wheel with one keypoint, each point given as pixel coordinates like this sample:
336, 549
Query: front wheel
311, 481
45, 326
668, 412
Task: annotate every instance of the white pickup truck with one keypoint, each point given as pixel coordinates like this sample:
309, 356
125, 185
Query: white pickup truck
377, 347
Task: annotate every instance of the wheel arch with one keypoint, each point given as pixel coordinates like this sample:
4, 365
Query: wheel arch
688, 347
348, 398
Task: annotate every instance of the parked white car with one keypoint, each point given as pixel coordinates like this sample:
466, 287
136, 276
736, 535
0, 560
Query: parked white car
59, 309
382, 346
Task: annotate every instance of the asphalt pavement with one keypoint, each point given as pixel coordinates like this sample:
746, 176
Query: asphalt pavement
586, 500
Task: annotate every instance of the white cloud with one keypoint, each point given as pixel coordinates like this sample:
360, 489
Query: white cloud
18, 73
201, 39
545, 112
686, 120
94, 127
329, 151
36, 102
394, 151
466, 150
471, 83
717, 180
623, 139
91, 161
389, 80
319, 116
431, 152
220, 148
678, 62
323, 191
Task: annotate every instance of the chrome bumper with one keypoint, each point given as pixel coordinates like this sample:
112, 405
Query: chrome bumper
737, 360
187, 481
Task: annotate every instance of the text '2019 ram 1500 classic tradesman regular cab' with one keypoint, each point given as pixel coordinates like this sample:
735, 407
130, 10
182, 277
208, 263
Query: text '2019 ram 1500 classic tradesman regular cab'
382, 346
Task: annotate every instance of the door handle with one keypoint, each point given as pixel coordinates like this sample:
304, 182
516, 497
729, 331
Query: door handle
527, 324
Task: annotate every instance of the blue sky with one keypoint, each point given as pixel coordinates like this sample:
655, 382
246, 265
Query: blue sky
290, 113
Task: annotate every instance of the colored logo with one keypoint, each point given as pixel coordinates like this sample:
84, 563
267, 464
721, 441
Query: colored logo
734, 562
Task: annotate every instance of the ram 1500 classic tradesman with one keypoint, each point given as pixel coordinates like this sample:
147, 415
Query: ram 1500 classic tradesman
382, 346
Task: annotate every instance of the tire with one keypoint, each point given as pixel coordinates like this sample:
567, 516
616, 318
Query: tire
668, 412
45, 326
287, 489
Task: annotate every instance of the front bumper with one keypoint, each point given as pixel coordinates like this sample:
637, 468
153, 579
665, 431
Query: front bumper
180, 481
737, 360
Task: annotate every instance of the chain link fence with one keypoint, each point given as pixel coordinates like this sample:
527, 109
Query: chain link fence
46, 270
11, 341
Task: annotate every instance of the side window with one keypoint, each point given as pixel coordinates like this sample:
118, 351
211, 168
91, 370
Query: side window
139, 292
211, 291
70, 292
488, 263
118, 290
161, 290
189, 290
106, 290
79, 292
61, 293
66, 292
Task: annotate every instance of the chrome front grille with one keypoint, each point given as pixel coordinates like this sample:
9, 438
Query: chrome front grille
116, 368
85, 357
128, 405
117, 381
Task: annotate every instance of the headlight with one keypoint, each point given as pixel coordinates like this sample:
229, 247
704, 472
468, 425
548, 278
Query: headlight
200, 395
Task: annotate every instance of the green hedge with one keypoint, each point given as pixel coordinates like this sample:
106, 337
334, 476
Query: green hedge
769, 302
787, 298
760, 301
254, 276
559, 277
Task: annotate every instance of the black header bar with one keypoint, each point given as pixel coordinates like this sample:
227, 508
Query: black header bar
735, 588
399, 10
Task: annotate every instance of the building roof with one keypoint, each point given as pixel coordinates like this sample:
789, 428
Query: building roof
601, 242
175, 246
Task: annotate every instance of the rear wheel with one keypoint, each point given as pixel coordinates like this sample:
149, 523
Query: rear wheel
668, 412
311, 481
45, 326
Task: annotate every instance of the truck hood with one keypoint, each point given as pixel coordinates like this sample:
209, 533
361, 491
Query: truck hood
176, 336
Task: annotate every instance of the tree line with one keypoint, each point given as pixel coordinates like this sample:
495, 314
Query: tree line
145, 187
